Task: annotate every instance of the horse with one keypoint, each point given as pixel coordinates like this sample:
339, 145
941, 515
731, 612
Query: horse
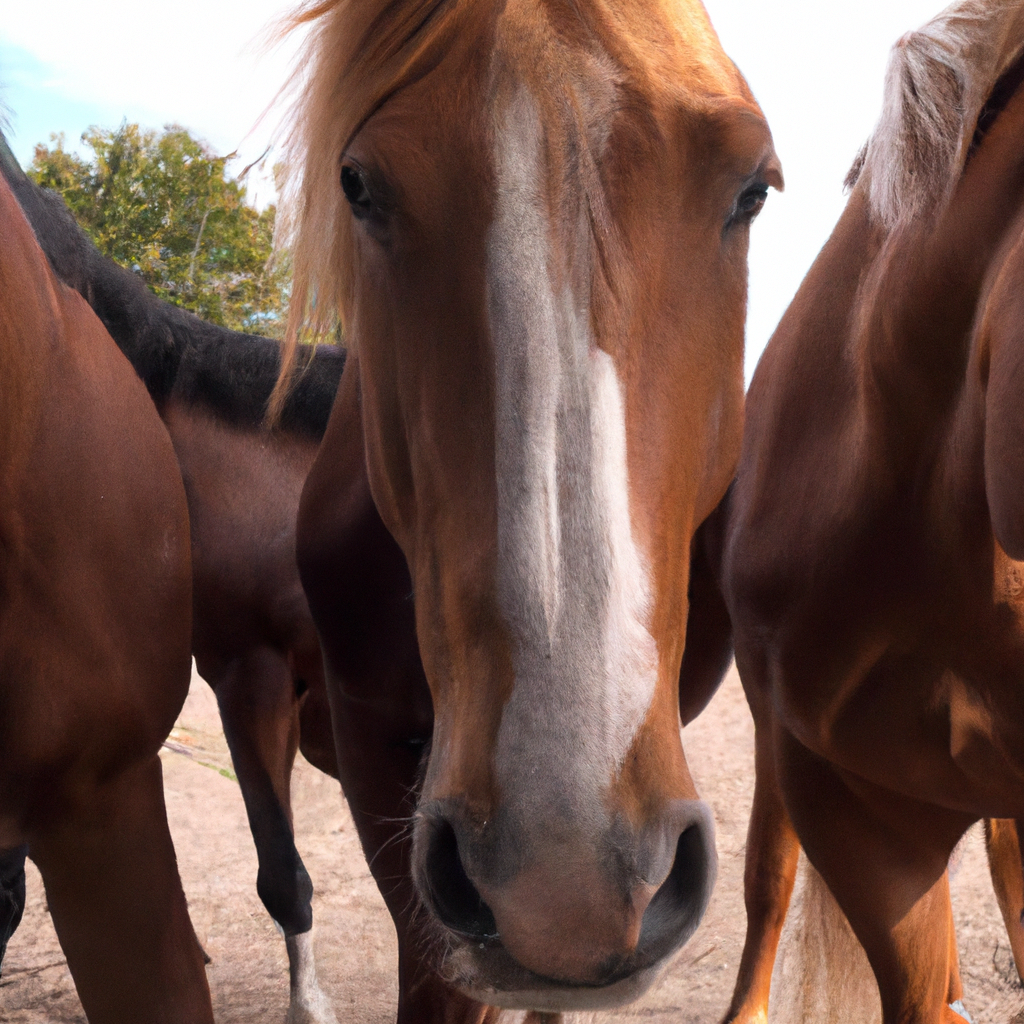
532, 219
252, 637
871, 552
94, 646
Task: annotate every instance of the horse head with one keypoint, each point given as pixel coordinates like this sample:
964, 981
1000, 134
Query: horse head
533, 217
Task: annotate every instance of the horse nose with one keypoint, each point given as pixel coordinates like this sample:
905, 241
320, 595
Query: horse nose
679, 902
444, 884
582, 919
616, 914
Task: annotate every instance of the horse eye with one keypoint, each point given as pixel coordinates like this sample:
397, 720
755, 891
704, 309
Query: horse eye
750, 202
353, 184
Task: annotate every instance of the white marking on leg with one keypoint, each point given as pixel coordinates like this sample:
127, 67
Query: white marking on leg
308, 1004
958, 1007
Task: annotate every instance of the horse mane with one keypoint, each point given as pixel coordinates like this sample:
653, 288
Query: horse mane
937, 84
174, 352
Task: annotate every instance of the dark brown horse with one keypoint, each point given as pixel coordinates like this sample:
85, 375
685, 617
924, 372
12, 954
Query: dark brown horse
253, 638
94, 645
874, 531
533, 219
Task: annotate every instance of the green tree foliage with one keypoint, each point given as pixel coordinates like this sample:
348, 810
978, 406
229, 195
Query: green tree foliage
162, 205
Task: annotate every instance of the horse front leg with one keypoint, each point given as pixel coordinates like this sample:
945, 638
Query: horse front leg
884, 858
117, 904
12, 895
772, 854
259, 708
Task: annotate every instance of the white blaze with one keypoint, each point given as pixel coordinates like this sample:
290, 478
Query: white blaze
573, 586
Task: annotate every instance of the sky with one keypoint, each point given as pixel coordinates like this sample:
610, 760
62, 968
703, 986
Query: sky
815, 66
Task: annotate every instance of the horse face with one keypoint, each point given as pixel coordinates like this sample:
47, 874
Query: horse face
549, 275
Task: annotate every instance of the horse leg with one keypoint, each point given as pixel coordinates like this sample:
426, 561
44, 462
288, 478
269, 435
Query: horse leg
773, 851
117, 904
260, 712
1004, 861
12, 895
884, 858
955, 991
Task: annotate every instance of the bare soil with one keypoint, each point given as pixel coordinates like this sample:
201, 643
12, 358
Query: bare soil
355, 940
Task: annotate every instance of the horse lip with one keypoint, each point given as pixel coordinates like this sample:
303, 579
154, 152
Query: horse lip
491, 975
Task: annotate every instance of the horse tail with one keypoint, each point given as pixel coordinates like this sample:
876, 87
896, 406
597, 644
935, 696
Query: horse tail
821, 971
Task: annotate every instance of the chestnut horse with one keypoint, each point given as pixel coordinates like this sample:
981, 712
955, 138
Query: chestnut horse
94, 646
532, 217
253, 639
870, 561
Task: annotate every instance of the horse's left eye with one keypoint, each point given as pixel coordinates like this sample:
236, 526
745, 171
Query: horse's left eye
750, 202
353, 184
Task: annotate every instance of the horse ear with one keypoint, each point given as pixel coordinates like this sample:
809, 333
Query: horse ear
773, 171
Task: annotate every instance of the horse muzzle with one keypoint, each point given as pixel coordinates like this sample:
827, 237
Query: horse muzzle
552, 925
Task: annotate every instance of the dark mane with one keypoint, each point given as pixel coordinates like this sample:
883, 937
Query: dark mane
174, 352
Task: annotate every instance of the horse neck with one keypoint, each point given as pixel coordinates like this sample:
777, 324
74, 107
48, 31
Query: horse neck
230, 374
231, 377
145, 329
928, 284
34, 316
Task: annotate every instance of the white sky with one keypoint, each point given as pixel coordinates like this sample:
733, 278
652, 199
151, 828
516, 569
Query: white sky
816, 66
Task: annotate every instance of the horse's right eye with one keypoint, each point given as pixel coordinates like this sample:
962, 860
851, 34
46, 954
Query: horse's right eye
353, 184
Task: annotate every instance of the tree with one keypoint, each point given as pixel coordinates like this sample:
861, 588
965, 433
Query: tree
163, 205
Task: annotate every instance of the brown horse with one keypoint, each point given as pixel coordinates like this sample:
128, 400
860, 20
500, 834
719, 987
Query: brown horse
873, 529
94, 645
533, 220
253, 638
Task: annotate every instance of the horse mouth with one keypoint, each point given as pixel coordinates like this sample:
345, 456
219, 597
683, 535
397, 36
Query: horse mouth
487, 973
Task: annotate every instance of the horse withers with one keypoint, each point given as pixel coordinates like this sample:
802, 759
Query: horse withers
871, 555
94, 645
533, 219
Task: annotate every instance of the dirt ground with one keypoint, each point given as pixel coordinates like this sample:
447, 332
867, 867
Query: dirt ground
354, 939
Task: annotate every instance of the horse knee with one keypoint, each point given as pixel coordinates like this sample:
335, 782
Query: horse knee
287, 892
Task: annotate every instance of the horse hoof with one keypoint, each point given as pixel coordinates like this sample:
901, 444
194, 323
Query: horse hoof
958, 1007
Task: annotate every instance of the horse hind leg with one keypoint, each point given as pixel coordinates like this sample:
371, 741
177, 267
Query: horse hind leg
259, 709
12, 895
1004, 861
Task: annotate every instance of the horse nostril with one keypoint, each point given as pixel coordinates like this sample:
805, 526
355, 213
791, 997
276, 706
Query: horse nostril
677, 907
447, 889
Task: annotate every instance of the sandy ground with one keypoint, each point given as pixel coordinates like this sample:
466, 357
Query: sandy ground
355, 940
